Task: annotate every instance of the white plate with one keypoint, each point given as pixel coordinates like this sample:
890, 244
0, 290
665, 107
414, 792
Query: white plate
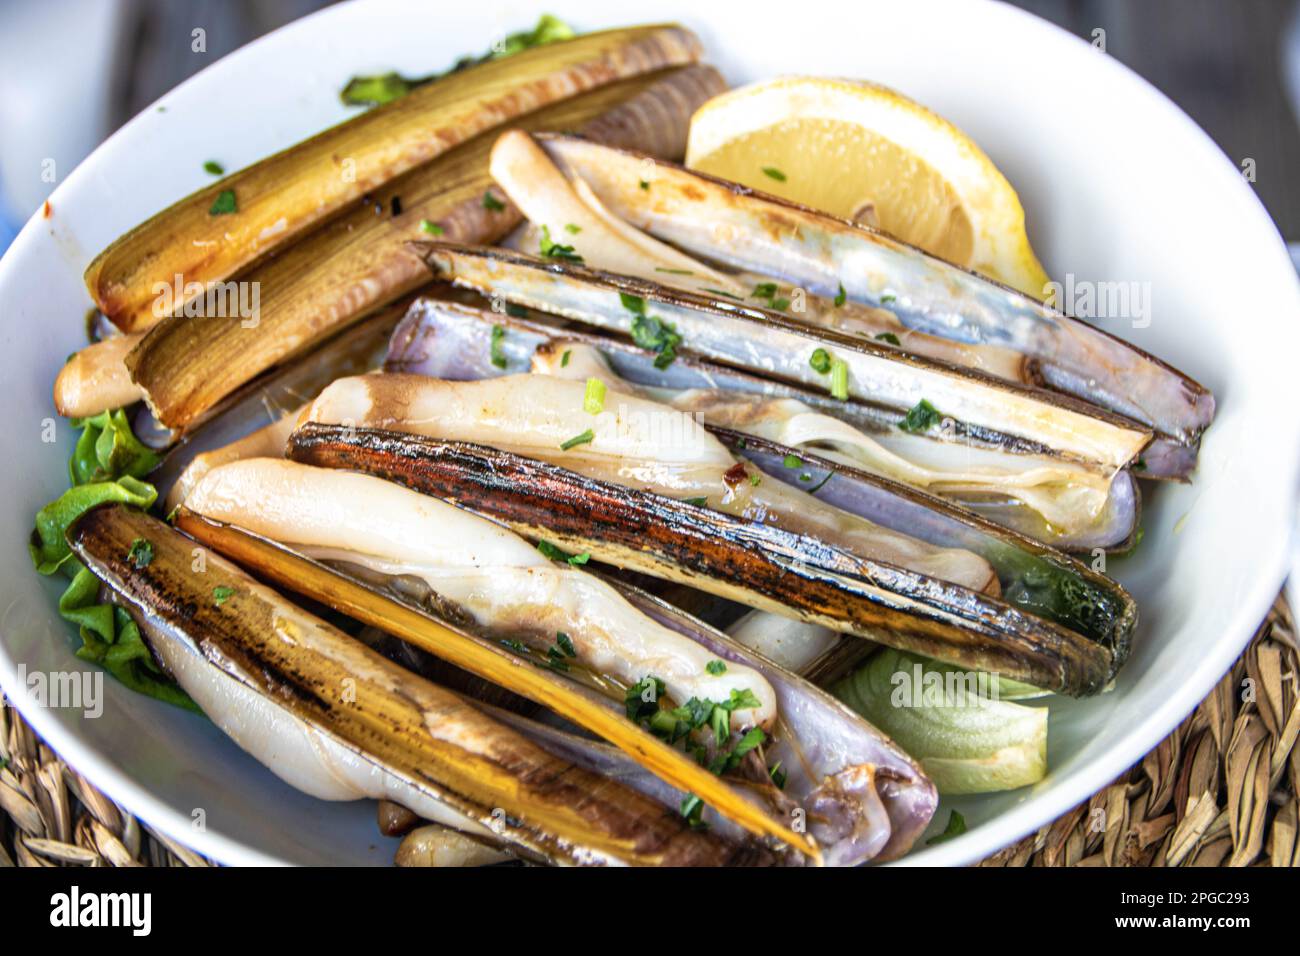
1119, 186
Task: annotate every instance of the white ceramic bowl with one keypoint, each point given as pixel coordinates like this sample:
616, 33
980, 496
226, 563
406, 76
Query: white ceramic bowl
1119, 186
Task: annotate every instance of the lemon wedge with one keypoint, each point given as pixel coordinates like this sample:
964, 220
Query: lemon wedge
865, 152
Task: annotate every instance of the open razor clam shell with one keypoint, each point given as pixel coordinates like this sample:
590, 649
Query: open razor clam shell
773, 344
746, 229
430, 742
494, 661
1032, 576
755, 564
864, 798
457, 341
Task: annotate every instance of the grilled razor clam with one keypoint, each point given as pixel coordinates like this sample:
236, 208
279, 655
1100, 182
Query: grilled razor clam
772, 343
745, 229
1069, 498
491, 574
270, 674
569, 209
458, 341
750, 562
633, 442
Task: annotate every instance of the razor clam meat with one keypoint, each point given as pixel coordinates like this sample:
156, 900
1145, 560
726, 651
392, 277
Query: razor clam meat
271, 674
460, 342
745, 229
477, 566
556, 206
771, 343
630, 441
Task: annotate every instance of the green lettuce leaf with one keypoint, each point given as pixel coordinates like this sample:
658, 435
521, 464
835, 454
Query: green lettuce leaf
106, 466
955, 723
108, 449
381, 88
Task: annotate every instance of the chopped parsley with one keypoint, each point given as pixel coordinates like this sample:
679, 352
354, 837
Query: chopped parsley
430, 227
491, 203
768, 291
496, 350
820, 361
551, 249
651, 332
583, 439
755, 479
888, 298
564, 359
572, 230
889, 337
841, 296
716, 668
792, 461
920, 417
724, 293
140, 553
771, 172
675, 272
224, 204
691, 808
554, 553
699, 502
214, 168
565, 644
778, 775
593, 399
644, 184
221, 594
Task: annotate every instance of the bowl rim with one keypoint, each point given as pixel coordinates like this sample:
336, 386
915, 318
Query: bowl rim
1000, 831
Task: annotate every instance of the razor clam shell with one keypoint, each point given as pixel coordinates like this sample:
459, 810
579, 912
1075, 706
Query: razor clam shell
757, 564
475, 650
776, 345
750, 230
935, 521
359, 261
454, 341
431, 740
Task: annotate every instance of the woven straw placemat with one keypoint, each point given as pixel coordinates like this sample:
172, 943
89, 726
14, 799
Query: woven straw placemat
1219, 791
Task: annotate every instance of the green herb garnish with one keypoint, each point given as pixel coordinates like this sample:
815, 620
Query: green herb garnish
820, 361
551, 249
716, 668
593, 399
430, 227
841, 297
699, 502
554, 553
221, 594
496, 349
572, 230
955, 828
771, 172
213, 168
920, 417
887, 298
650, 332
224, 204
564, 359
491, 203
839, 379
583, 439
140, 554
792, 461
889, 337
386, 87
